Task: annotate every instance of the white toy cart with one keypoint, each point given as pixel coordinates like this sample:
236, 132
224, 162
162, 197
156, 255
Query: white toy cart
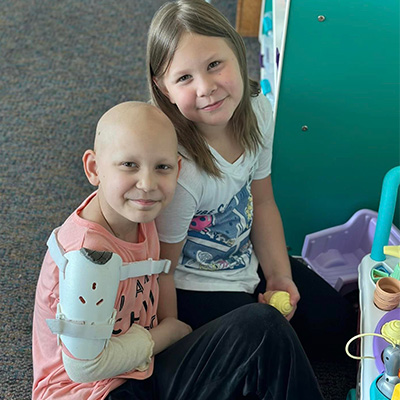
383, 259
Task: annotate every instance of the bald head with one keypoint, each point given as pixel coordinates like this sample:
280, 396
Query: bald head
135, 166
128, 118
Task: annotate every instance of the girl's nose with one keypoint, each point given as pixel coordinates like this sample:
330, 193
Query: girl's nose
146, 181
206, 87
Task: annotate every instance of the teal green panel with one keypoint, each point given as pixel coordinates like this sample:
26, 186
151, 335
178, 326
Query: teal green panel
340, 78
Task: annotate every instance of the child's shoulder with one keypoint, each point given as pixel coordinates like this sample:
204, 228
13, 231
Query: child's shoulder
263, 110
189, 168
190, 171
75, 233
261, 104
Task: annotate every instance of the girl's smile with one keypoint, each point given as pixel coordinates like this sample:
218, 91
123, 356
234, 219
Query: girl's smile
145, 203
213, 106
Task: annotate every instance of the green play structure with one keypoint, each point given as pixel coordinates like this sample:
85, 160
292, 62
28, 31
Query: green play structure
337, 112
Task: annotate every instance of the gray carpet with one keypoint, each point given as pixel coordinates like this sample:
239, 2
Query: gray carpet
64, 63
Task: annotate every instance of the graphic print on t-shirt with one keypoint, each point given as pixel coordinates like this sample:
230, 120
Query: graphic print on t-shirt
220, 241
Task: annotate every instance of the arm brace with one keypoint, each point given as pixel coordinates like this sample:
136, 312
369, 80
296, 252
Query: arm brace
132, 350
88, 285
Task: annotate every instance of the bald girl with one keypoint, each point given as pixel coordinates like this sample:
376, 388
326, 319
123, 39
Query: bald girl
134, 164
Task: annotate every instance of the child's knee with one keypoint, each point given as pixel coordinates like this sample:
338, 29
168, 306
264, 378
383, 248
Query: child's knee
262, 318
263, 329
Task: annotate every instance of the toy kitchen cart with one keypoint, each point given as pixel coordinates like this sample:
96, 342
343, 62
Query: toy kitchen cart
380, 363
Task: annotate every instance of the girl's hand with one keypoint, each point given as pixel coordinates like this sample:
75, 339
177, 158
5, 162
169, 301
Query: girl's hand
167, 332
286, 284
177, 328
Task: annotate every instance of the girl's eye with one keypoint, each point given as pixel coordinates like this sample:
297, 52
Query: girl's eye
184, 78
213, 64
164, 167
129, 164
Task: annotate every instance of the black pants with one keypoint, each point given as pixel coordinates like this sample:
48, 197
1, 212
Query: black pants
324, 321
249, 353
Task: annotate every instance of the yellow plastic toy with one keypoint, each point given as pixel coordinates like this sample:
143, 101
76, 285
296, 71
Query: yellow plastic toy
391, 330
396, 392
280, 300
392, 251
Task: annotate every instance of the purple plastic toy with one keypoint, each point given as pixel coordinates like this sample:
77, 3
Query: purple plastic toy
335, 253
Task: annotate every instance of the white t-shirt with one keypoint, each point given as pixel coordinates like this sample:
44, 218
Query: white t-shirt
215, 216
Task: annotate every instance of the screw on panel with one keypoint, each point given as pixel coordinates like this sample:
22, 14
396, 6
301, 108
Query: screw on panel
321, 18
304, 128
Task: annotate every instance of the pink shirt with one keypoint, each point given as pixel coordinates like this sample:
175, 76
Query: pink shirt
136, 302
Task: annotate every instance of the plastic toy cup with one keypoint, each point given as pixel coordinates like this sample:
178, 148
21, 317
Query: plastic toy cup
387, 293
391, 330
280, 300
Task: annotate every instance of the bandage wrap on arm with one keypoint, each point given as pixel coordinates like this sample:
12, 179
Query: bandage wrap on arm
133, 350
88, 284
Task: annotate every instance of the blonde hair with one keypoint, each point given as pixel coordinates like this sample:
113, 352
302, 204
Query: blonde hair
169, 23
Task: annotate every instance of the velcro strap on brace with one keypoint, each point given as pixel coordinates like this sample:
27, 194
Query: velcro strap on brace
56, 251
128, 270
142, 268
78, 329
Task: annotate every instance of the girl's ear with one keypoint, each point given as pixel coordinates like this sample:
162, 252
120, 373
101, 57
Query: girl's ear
179, 166
90, 167
159, 83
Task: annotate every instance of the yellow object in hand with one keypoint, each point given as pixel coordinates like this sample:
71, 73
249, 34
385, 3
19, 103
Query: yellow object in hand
280, 300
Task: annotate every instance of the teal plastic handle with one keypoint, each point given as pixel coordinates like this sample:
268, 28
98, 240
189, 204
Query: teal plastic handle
387, 205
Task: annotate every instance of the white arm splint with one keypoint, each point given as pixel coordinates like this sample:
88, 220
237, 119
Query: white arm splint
88, 283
